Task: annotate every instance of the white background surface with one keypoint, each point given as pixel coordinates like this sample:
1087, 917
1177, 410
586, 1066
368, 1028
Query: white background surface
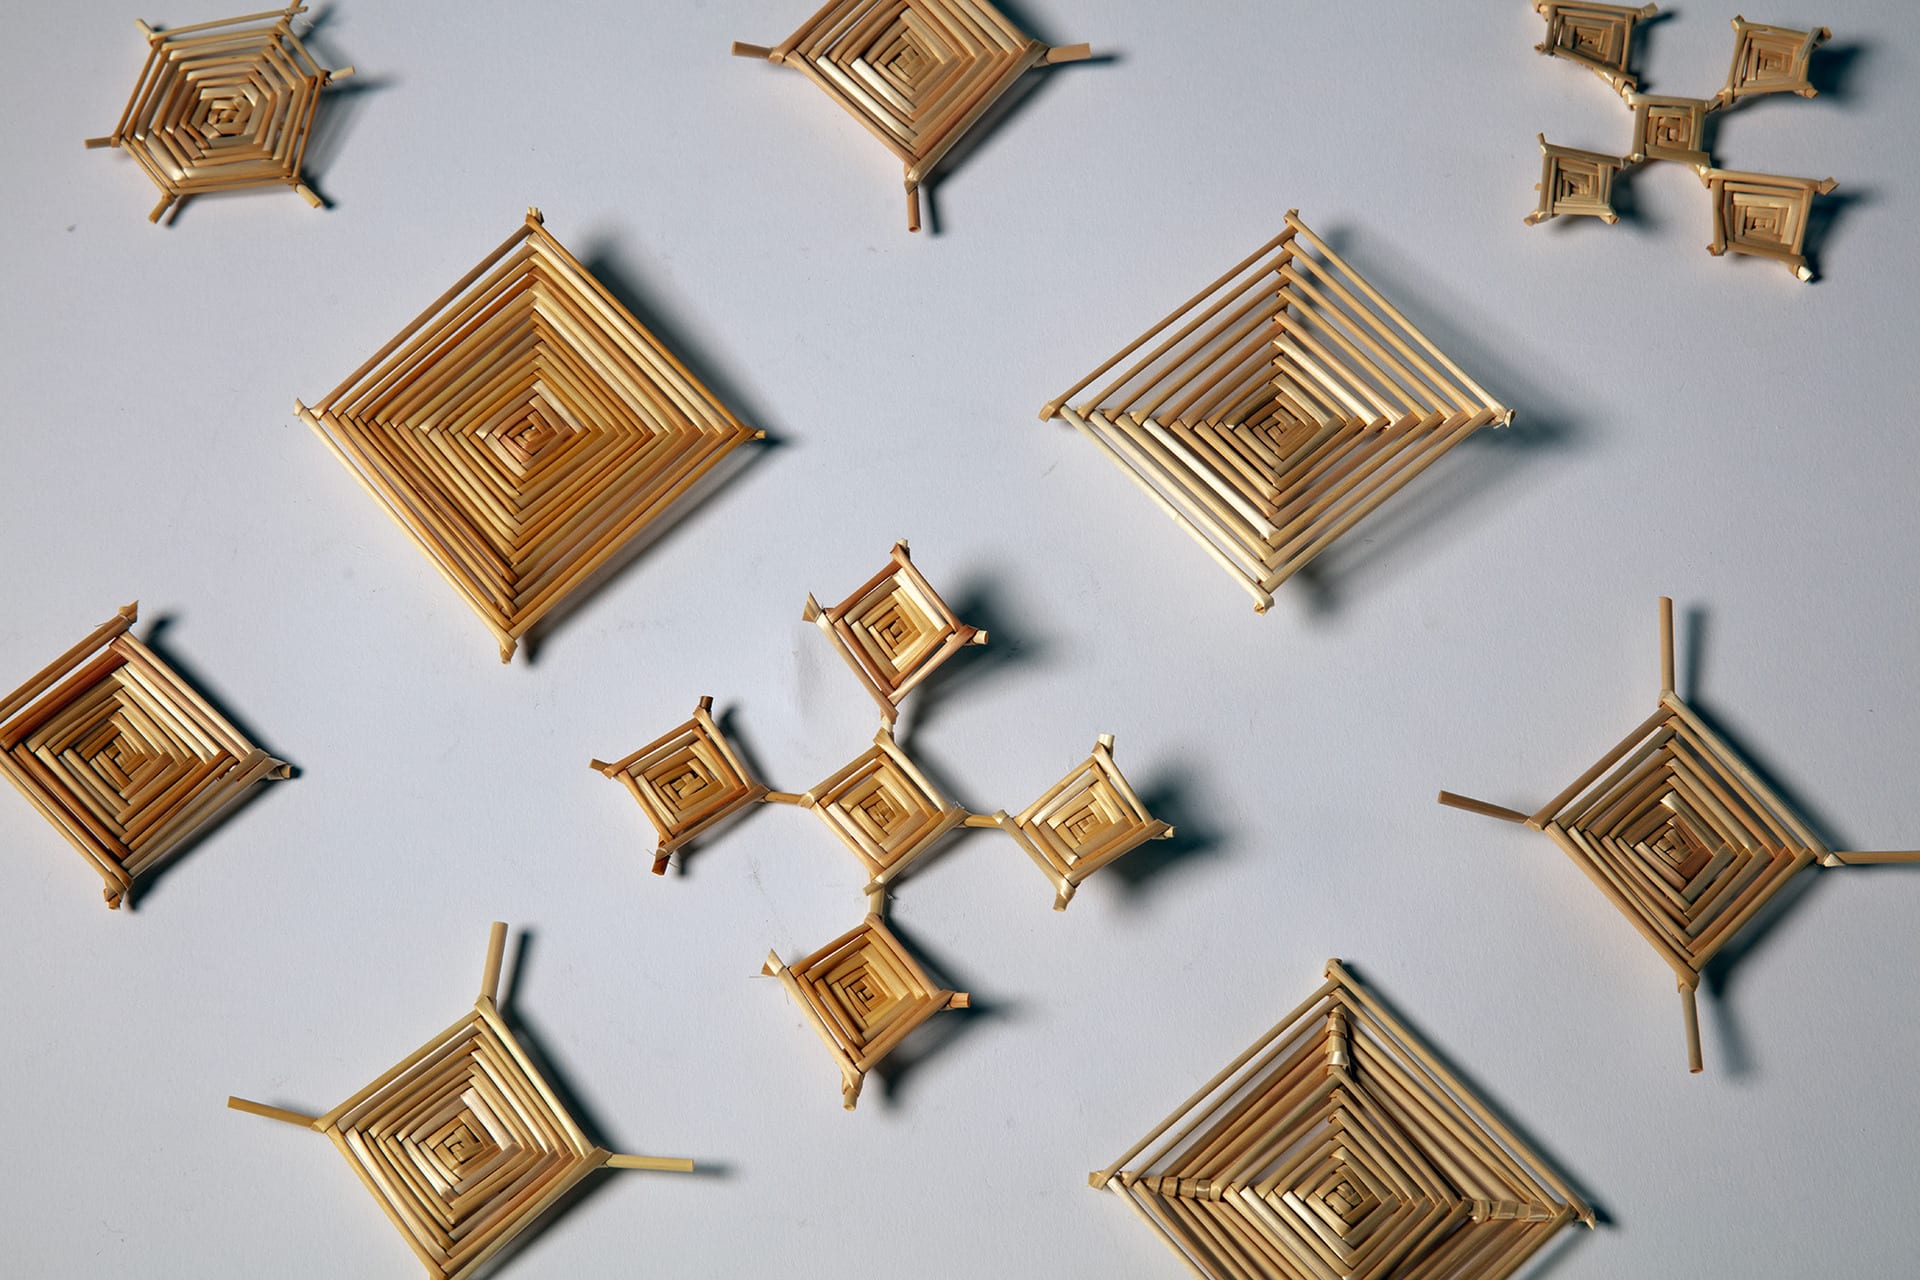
1703, 427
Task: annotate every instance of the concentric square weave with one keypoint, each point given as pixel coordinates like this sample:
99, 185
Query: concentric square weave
1338, 1146
1598, 36
463, 1143
862, 993
884, 809
893, 631
524, 430
1764, 215
122, 756
1084, 821
687, 782
1771, 60
1277, 408
1684, 838
918, 74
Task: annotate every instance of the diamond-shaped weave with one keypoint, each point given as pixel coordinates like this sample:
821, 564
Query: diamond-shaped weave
465, 1146
524, 430
1277, 409
884, 809
122, 756
1338, 1146
893, 631
687, 781
1085, 821
862, 993
463, 1143
918, 74
1680, 835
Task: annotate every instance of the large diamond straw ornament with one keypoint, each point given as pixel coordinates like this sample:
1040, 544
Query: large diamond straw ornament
523, 430
917, 73
1339, 1147
463, 1143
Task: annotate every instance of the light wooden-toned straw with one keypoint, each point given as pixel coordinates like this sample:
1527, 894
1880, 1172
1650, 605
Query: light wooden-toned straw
1277, 408
1339, 1147
1680, 834
918, 74
1765, 215
122, 756
463, 1143
523, 430
224, 105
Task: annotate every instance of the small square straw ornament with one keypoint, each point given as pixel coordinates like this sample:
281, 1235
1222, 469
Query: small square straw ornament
122, 756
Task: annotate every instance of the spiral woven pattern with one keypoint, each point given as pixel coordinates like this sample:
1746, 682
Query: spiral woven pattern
122, 756
687, 781
893, 631
862, 993
1277, 409
464, 1147
1338, 1146
1084, 821
524, 430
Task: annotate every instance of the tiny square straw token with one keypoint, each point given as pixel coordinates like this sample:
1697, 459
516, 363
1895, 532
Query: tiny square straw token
893, 631
224, 105
1338, 1145
687, 782
523, 430
1680, 834
1083, 822
463, 1143
1277, 408
919, 74
862, 993
122, 756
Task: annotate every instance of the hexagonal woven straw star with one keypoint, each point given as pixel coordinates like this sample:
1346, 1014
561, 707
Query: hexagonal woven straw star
523, 430
1277, 408
893, 631
120, 754
1338, 1145
223, 105
917, 73
463, 1143
862, 993
1680, 834
687, 782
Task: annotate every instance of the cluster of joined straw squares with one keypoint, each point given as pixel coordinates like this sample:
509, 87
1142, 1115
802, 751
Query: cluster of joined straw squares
863, 992
222, 106
1277, 408
1755, 213
463, 1143
1339, 1145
